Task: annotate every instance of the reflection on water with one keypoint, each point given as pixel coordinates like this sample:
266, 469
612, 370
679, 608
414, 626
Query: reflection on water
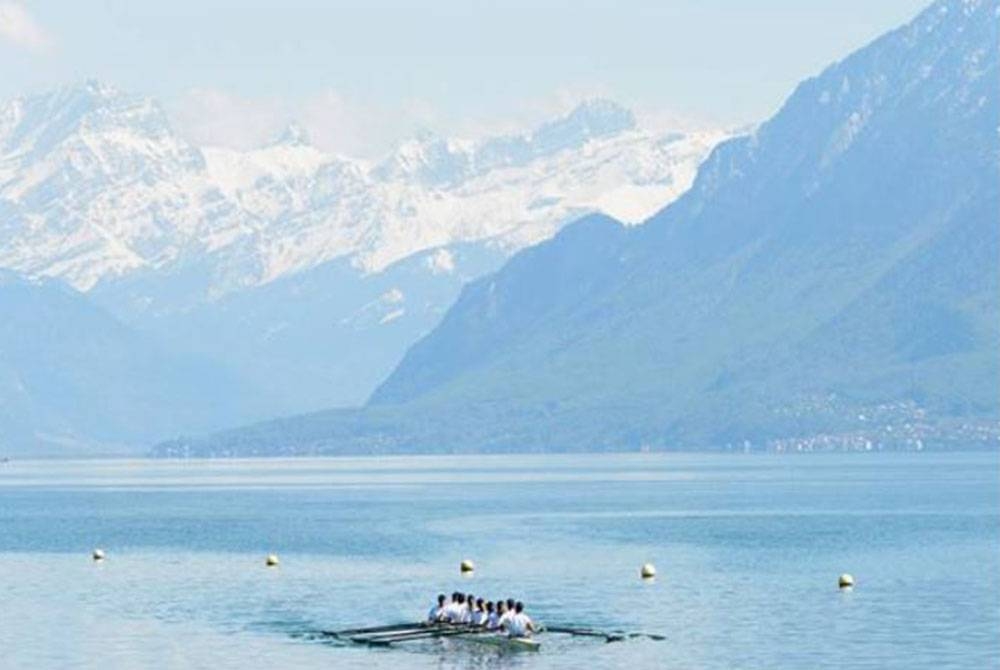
748, 550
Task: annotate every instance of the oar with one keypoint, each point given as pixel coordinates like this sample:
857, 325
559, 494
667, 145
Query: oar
651, 636
434, 631
386, 640
608, 637
410, 630
372, 629
584, 632
469, 630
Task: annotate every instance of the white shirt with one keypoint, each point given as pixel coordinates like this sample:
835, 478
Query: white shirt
434, 613
517, 625
452, 612
458, 613
492, 620
477, 618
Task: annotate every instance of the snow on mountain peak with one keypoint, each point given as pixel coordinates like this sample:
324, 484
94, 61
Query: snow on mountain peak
596, 117
437, 161
94, 184
293, 135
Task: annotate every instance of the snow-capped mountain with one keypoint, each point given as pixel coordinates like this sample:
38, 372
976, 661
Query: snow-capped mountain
95, 186
840, 263
303, 276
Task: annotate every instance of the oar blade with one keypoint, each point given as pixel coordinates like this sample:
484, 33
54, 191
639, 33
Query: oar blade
607, 636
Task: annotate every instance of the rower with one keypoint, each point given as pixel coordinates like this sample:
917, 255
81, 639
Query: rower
457, 610
520, 624
478, 617
470, 607
501, 613
450, 610
491, 616
436, 611
467, 603
508, 612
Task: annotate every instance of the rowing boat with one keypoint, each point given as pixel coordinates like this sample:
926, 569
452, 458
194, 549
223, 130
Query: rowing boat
384, 636
505, 642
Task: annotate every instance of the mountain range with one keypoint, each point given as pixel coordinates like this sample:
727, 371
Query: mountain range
830, 280
298, 275
96, 186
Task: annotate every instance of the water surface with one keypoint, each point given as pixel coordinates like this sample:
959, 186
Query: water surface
748, 550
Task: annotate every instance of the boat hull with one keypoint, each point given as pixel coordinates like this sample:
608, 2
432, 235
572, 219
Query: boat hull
503, 641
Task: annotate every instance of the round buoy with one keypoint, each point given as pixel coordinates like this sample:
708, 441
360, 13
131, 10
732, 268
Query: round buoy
271, 560
467, 566
648, 571
846, 581
97, 554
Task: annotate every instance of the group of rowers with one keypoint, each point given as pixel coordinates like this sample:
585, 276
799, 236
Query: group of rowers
504, 616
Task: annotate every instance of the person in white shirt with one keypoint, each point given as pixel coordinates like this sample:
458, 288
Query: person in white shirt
434, 614
452, 612
460, 611
507, 613
492, 618
478, 616
463, 614
502, 614
519, 624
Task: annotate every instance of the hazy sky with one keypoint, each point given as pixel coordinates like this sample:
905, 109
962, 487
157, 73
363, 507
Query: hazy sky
361, 75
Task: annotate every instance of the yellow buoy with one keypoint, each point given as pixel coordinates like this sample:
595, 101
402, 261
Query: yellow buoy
97, 554
648, 571
271, 560
846, 581
467, 566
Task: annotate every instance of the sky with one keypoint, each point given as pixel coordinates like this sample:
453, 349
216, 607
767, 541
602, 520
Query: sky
360, 76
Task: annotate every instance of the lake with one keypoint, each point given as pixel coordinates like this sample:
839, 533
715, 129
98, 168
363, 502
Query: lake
748, 550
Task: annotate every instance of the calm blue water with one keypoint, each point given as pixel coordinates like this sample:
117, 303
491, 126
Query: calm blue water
748, 550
